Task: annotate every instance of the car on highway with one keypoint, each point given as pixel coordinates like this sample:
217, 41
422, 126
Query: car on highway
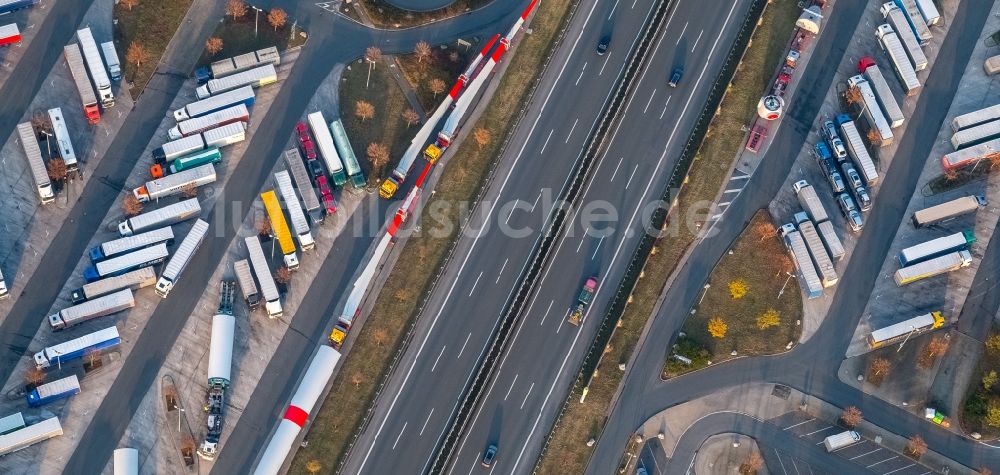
850, 212
675, 77
603, 44
489, 455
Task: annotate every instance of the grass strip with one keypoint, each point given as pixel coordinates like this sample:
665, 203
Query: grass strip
385, 15
151, 25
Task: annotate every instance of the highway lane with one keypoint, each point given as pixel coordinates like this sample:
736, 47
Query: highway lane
812, 367
539, 367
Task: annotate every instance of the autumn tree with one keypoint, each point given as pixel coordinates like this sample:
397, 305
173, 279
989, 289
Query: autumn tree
738, 289
364, 110
717, 328
277, 18
436, 86
378, 155
130, 4
131, 206
878, 369
282, 275
932, 350
993, 343
916, 447
768, 319
764, 229
373, 54
853, 95
34, 377
380, 336
874, 137
236, 8
985, 471
213, 45
136, 54
57, 169
423, 51
356, 379
263, 226
851, 417
189, 190
752, 464
992, 417
989, 379
410, 116
41, 123
313, 466
482, 137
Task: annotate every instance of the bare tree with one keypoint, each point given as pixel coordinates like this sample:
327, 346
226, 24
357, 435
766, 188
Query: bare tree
131, 206
282, 275
277, 18
313, 466
34, 377
916, 447
436, 86
213, 45
364, 110
410, 116
236, 8
373, 54
874, 137
356, 379
41, 123
851, 417
878, 369
482, 137
423, 51
92, 358
378, 155
136, 54
130, 4
752, 464
189, 190
380, 336
263, 226
454, 57
57, 169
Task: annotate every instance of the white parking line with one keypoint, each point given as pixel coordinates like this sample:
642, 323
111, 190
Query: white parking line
862, 455
570, 134
697, 40
900, 468
651, 96
426, 421
463, 345
800, 423
606, 58
475, 284
894, 457
511, 387
542, 322
681, 36
584, 68
475, 462
526, 395
613, 175
781, 462
741, 177
631, 176
734, 190
815, 431
546, 144
399, 436
504, 266
438, 358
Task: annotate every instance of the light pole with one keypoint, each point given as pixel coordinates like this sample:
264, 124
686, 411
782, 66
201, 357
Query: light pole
48, 142
786, 283
179, 411
256, 15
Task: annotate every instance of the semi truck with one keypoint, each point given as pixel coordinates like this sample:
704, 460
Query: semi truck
74, 59
327, 149
833, 243
209, 156
7, 6
930, 268
268, 289
299, 222
243, 95
298, 170
165, 216
821, 259
810, 201
30, 435
111, 58
65, 145
905, 329
54, 391
857, 150
279, 227
937, 247
220, 362
221, 136
897, 19
247, 286
916, 20
91, 309
237, 113
841, 440
893, 48
929, 12
872, 113
256, 77
809, 279
976, 117
92, 55
78, 347
176, 183
225, 67
970, 155
130, 243
9, 34
43, 186
883, 94
948, 210
119, 265
575, 313
976, 135
350, 160
189, 246
132, 280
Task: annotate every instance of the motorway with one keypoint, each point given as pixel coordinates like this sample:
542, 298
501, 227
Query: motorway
423, 393
812, 367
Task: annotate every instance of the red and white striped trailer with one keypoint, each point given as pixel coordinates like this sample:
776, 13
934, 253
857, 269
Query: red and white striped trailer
279, 448
9, 34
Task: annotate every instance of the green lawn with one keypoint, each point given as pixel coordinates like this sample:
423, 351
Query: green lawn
385, 15
151, 24
979, 400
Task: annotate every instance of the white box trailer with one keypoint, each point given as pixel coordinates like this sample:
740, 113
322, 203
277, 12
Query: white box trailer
256, 77
126, 262
65, 149
299, 223
948, 210
937, 266
130, 243
26, 134
298, 170
893, 48
96, 67
189, 246
269, 290
3, 288
810, 201
220, 351
111, 58
225, 135
872, 112
897, 19
833, 243
133, 280
858, 151
841, 440
976, 135
883, 94
809, 282
11, 423
244, 95
936, 247
229, 115
30, 435
970, 155
976, 117
225, 67
824, 265
91, 309
929, 12
165, 216
126, 461
176, 183
178, 148
245, 278
327, 149
916, 20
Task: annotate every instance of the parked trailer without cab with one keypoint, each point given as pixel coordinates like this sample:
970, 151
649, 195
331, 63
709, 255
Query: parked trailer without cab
893, 47
26, 134
897, 19
298, 170
126, 461
165, 216
299, 222
948, 210
803, 262
268, 289
937, 266
976, 135
77, 347
111, 58
256, 77
54, 391
189, 246
833, 243
883, 94
133, 280
30, 435
976, 117
91, 309
916, 20
970, 155
244, 276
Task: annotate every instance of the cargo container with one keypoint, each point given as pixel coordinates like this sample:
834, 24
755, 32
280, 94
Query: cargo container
119, 265
256, 77
187, 162
30, 435
970, 155
130, 243
111, 58
247, 286
279, 228
897, 19
26, 134
9, 34
976, 135
905, 329
165, 216
78, 347
327, 150
177, 183
893, 48
929, 12
948, 210
916, 20
976, 117
179, 261
91, 309
243, 95
229, 115
809, 279
821, 259
299, 223
133, 280
11, 423
841, 440
872, 112
92, 55
350, 160
225, 67
937, 266
65, 145
810, 201
883, 94
74, 60
7, 6
992, 65
298, 170
269, 290
833, 243
54, 391
857, 150
936, 247
126, 462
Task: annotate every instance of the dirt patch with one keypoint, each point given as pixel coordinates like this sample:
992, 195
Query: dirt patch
150, 25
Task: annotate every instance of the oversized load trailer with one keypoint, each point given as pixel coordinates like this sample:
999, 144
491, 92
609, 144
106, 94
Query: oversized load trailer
256, 77
220, 360
173, 184
948, 210
327, 149
937, 266
165, 216
916, 20
872, 111
976, 117
111, 58
9, 34
130, 243
30, 435
220, 352
976, 135
126, 461
897, 19
827, 273
803, 262
229, 115
243, 95
937, 247
245, 278
77, 347
299, 222
185, 252
225, 67
74, 59
133, 280
119, 265
298, 170
54, 391
970, 155
857, 150
883, 94
841, 440
279, 227
91, 309
350, 160
893, 48
833, 243
95, 65
810, 201
26, 134
65, 149
905, 329
7, 6
268, 289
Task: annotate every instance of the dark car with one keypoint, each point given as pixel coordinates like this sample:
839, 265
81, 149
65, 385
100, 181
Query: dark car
675, 77
602, 46
490, 455
315, 169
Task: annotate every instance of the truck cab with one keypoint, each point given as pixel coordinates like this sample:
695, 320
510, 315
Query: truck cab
575, 315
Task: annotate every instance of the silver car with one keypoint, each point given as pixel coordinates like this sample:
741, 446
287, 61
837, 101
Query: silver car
833, 138
850, 212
